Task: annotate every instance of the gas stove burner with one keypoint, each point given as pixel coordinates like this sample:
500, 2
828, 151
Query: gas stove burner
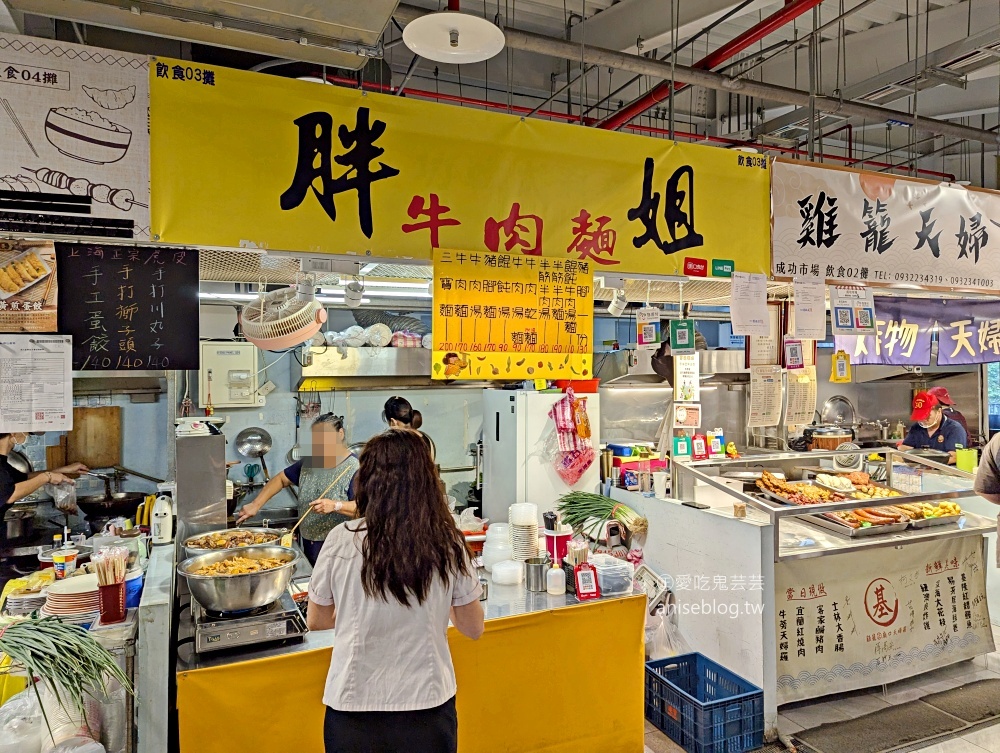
217, 615
278, 621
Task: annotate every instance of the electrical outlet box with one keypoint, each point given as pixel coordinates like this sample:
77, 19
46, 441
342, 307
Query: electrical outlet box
229, 374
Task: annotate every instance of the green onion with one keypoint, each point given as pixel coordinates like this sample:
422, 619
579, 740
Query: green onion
70, 662
577, 508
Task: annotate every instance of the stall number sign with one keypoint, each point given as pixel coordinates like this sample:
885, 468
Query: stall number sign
505, 316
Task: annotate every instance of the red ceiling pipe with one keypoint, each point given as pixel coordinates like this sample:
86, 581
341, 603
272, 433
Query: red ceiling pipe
386, 88
789, 12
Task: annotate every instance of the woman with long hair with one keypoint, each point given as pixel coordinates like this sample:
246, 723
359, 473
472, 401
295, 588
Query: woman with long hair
389, 582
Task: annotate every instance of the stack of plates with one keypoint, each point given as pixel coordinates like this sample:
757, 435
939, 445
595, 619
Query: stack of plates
73, 600
23, 602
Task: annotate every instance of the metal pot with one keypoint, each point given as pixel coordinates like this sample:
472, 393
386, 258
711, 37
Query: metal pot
236, 593
191, 551
19, 524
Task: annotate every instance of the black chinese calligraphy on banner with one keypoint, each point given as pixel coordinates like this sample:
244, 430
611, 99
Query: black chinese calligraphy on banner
838, 224
129, 307
881, 617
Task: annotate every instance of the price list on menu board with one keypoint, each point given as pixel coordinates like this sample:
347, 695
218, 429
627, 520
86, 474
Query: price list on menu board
510, 316
128, 307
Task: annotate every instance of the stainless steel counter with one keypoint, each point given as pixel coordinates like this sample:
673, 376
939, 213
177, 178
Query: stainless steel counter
502, 601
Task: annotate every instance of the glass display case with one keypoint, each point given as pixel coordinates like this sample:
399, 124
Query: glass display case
831, 502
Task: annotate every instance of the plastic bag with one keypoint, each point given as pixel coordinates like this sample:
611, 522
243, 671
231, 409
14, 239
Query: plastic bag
469, 523
79, 745
114, 712
663, 635
569, 464
64, 497
21, 723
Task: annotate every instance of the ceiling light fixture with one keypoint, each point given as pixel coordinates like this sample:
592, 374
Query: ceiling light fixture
453, 37
618, 303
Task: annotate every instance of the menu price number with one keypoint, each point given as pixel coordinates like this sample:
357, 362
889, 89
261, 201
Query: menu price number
100, 363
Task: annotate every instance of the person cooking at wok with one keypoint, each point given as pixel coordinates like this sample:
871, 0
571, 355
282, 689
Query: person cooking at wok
325, 481
933, 429
15, 485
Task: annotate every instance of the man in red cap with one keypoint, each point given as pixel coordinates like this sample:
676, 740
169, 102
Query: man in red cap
933, 430
948, 406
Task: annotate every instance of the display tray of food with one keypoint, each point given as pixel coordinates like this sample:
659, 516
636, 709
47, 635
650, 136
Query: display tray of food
233, 538
865, 521
920, 514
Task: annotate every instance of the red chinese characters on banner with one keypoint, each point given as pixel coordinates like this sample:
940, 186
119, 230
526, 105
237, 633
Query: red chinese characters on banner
434, 211
589, 241
522, 232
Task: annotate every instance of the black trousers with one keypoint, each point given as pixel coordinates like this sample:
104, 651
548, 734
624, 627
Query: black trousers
426, 731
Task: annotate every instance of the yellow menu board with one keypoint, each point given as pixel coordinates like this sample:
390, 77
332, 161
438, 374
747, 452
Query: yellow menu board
508, 316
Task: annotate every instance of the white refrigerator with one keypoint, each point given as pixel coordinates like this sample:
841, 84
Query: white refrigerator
515, 426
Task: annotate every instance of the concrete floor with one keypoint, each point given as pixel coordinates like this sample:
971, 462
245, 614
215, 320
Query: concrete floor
796, 717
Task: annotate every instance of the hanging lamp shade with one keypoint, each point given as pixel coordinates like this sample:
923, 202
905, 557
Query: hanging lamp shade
453, 37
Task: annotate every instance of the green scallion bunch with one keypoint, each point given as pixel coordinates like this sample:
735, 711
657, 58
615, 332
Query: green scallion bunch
70, 662
576, 508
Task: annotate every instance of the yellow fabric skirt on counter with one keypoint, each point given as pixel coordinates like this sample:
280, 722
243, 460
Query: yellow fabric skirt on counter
567, 679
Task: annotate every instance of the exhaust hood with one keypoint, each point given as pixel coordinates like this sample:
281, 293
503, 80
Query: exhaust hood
152, 382
343, 367
620, 368
867, 374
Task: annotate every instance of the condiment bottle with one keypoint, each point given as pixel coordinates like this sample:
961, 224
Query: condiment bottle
57, 541
555, 580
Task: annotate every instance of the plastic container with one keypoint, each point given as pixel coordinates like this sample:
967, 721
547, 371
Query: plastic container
556, 543
508, 573
555, 581
621, 450
613, 575
583, 386
64, 561
702, 706
495, 549
133, 588
111, 603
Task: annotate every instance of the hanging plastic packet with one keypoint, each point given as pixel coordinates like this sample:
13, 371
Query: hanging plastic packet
581, 419
840, 368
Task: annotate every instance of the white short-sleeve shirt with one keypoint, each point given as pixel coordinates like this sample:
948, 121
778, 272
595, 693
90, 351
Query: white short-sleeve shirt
386, 656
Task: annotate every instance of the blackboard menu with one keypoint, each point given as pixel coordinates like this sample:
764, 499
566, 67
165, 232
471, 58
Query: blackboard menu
129, 307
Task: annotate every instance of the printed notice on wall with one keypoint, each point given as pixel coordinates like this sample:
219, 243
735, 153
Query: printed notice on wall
36, 383
687, 381
810, 309
765, 396
748, 304
800, 396
889, 615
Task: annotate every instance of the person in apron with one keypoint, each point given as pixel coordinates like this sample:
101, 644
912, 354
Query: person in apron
325, 481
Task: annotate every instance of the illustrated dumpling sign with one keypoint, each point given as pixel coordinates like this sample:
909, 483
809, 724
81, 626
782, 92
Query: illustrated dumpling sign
74, 125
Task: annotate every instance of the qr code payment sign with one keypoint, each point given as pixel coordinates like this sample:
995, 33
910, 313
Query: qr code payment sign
864, 318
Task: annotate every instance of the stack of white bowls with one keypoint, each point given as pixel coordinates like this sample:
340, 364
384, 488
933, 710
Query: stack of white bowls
496, 548
523, 519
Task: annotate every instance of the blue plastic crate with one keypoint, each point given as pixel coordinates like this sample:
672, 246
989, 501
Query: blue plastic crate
704, 707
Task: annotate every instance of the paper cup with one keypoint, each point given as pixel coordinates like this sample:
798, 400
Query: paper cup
660, 479
64, 562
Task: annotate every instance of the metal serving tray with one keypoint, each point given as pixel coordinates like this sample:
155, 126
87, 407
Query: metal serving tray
889, 501
831, 525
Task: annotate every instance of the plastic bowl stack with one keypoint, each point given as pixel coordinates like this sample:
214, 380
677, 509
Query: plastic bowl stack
523, 519
496, 548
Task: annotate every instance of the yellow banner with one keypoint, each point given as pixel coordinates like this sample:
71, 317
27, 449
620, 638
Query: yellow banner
247, 159
506, 316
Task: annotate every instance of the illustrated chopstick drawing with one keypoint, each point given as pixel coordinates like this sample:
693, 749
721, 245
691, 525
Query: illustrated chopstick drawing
17, 124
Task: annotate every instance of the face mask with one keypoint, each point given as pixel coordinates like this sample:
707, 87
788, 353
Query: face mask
925, 424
